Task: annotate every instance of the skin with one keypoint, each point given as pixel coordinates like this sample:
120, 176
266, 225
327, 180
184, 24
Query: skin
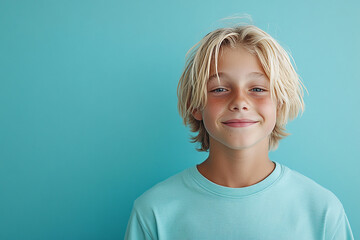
238, 157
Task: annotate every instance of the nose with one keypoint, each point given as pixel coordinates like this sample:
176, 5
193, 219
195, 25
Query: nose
239, 101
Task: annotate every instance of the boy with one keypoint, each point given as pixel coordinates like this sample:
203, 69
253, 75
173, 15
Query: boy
238, 90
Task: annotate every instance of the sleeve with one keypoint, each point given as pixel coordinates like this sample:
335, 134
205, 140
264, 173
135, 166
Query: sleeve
135, 229
343, 230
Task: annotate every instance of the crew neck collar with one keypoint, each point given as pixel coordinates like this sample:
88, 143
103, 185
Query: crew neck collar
237, 192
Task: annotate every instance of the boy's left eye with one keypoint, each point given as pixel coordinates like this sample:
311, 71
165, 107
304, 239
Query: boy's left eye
262, 90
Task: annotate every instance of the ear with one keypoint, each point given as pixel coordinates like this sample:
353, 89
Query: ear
197, 114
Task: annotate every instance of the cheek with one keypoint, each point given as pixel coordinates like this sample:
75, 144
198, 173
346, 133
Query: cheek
214, 106
212, 111
268, 107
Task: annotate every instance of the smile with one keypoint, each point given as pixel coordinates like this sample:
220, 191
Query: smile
239, 124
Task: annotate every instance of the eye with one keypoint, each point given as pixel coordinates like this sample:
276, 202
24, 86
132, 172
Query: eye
261, 90
215, 90
218, 90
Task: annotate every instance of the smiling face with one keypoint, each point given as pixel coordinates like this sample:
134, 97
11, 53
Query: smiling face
243, 93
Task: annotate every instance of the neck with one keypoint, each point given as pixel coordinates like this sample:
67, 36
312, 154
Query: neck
237, 168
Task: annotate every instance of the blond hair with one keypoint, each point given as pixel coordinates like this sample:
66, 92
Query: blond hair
285, 83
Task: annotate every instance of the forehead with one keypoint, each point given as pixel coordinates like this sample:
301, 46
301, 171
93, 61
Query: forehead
231, 76
234, 63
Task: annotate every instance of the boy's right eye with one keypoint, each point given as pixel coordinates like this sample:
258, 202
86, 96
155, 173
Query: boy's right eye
215, 90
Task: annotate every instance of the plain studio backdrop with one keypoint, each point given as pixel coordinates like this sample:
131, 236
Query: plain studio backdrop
88, 105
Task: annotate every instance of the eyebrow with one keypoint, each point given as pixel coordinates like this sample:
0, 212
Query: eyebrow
252, 74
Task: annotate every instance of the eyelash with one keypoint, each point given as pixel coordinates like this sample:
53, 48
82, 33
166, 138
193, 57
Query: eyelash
262, 90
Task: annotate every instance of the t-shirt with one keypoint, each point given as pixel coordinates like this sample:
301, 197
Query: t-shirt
284, 205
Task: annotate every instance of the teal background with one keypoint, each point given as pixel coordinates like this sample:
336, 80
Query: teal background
88, 105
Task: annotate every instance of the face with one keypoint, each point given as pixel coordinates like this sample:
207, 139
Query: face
243, 93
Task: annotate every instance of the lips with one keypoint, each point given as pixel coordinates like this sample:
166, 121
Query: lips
239, 121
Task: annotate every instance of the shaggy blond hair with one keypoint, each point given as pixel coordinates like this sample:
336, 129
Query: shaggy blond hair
285, 84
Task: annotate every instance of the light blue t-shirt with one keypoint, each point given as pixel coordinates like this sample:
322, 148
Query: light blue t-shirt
285, 205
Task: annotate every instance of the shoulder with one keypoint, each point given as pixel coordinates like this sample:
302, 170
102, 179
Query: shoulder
312, 192
162, 193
